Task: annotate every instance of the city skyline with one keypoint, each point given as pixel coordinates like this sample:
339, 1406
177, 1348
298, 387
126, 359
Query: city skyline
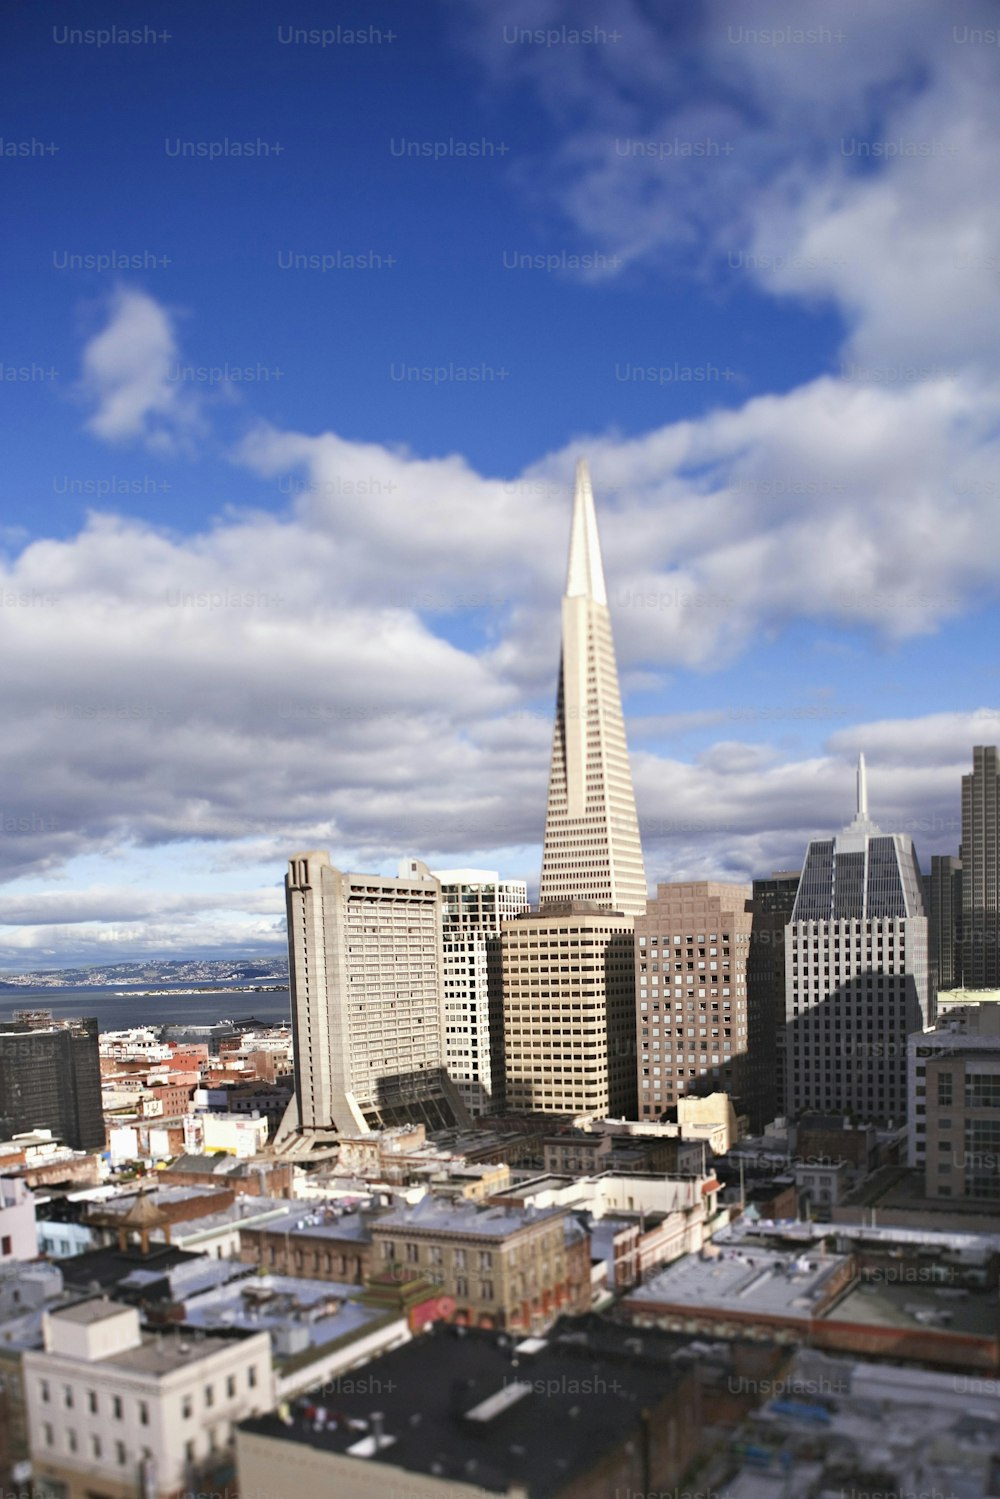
285, 495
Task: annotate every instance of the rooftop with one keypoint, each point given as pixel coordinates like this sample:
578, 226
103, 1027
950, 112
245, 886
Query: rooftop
444, 1215
274, 1303
836, 1426
86, 1313
488, 1410
747, 1279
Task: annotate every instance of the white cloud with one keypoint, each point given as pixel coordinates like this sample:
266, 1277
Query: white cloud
131, 377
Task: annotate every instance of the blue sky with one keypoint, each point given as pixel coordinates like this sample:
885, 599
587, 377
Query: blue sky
268, 584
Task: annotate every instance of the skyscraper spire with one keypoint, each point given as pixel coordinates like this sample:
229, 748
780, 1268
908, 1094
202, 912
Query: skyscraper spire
862, 789
584, 575
591, 850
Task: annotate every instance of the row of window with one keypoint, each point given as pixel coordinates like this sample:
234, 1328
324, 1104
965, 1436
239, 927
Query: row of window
115, 1405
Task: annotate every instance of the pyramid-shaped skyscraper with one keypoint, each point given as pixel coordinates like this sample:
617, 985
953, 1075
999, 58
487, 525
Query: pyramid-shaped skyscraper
592, 850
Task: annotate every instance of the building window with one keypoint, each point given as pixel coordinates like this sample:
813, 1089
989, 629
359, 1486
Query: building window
6, 1244
231, 1386
413, 1254
252, 1376
186, 1407
43, 1390
49, 1437
945, 1095
143, 1413
92, 1402
95, 1446
116, 1407
189, 1452
71, 1439
209, 1395
120, 1454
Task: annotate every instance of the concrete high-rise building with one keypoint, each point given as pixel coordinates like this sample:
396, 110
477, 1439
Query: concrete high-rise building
691, 948
980, 854
569, 1011
50, 1078
856, 982
592, 850
943, 892
366, 974
475, 902
773, 901
954, 1085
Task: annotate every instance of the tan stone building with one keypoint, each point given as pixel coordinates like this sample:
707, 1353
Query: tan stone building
569, 1010
500, 1267
691, 951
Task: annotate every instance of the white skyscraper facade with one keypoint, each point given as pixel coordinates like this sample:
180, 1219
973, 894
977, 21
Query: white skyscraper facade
475, 902
366, 973
857, 981
592, 850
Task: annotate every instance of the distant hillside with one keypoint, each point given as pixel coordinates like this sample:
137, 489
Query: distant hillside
159, 971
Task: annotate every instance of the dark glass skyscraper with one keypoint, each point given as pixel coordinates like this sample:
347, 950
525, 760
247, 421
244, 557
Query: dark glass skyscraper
981, 871
50, 1078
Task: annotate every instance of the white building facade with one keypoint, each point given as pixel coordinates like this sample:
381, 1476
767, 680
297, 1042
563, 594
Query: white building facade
857, 979
131, 1414
475, 902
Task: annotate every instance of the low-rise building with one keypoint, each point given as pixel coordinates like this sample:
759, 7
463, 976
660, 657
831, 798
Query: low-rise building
901, 1309
319, 1331
116, 1411
236, 1134
463, 1412
872, 1429
499, 1266
320, 1241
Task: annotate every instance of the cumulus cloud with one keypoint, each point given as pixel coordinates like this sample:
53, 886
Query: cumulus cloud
287, 680
129, 377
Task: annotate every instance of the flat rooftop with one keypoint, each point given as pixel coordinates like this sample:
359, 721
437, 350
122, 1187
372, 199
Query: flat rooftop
911, 1307
835, 1425
270, 1303
86, 1313
319, 1220
455, 1405
448, 1216
758, 1281
162, 1353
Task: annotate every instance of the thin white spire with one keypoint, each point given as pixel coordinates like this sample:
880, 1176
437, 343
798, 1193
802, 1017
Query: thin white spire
585, 574
862, 789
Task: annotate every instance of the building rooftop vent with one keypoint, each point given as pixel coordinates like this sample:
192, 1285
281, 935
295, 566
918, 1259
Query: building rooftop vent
495, 1405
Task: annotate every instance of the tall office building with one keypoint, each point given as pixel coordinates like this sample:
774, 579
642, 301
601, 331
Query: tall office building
943, 898
569, 1010
475, 902
365, 965
592, 850
50, 1078
981, 871
691, 949
857, 982
772, 904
